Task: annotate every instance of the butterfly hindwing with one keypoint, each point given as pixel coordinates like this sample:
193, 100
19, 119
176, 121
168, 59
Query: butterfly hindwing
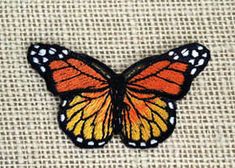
82, 83
153, 85
87, 118
146, 119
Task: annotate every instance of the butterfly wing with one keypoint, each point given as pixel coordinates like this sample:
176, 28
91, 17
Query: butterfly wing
146, 119
153, 84
87, 118
83, 85
65, 71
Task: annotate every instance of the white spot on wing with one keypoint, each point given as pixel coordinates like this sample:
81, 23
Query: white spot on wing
142, 144
200, 48
171, 106
53, 49
42, 68
44, 59
195, 53
193, 71
183, 51
65, 52
171, 53
90, 143
61, 56
35, 60
185, 54
176, 57
192, 61
51, 52
64, 103
101, 143
36, 46
62, 117
32, 53
204, 55
172, 120
200, 62
132, 143
153, 141
79, 139
42, 52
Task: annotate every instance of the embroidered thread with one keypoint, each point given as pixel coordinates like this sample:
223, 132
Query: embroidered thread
139, 104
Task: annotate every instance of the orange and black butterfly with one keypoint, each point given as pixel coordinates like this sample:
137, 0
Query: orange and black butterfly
138, 104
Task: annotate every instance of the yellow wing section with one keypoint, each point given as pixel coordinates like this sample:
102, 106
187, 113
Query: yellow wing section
146, 119
87, 118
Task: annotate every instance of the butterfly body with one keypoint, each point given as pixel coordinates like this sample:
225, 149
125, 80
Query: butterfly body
117, 92
137, 104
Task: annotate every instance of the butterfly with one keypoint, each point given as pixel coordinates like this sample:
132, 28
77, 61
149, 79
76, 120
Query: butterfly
138, 104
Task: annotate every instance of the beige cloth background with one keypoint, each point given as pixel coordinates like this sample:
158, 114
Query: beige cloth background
117, 32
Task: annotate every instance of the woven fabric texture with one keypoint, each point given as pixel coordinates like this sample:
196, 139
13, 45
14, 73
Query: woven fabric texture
117, 32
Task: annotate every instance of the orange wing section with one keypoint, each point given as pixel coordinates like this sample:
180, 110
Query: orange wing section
87, 118
72, 74
146, 120
163, 76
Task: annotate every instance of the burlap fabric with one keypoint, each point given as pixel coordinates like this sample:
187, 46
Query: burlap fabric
117, 32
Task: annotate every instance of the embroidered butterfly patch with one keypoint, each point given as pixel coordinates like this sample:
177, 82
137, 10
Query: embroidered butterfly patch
138, 104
